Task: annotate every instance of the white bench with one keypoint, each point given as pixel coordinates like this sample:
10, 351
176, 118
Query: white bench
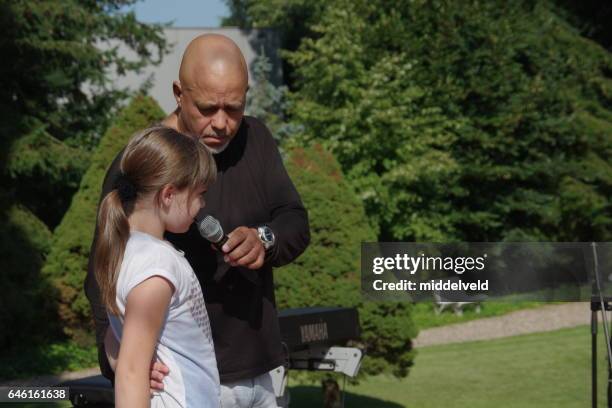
456, 301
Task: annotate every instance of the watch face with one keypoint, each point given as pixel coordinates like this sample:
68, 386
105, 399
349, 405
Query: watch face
267, 234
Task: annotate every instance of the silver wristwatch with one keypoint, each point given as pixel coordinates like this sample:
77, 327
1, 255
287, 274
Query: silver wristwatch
266, 236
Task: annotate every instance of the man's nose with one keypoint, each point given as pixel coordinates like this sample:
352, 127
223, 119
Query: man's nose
219, 120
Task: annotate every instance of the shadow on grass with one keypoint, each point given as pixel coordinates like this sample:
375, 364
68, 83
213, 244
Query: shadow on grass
312, 397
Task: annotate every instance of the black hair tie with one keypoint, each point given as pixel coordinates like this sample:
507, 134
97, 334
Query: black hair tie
125, 188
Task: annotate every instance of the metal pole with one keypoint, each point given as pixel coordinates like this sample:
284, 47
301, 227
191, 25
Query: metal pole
593, 355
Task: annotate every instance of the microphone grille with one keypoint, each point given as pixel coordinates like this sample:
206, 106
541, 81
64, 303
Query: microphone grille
210, 229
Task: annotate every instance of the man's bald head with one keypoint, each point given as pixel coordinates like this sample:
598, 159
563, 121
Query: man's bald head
212, 55
211, 91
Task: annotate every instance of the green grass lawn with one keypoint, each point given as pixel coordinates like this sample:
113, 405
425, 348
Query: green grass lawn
537, 370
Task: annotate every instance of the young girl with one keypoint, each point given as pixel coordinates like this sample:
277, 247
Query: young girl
155, 303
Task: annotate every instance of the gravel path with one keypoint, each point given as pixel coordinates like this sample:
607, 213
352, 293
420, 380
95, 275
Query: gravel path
541, 319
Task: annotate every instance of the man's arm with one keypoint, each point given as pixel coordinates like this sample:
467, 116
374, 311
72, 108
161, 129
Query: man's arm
288, 217
111, 346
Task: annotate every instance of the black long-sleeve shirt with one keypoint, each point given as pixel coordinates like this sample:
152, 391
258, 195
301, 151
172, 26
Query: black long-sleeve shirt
252, 189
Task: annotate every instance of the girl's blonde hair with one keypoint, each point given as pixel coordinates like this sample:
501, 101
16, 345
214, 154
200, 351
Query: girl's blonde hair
153, 158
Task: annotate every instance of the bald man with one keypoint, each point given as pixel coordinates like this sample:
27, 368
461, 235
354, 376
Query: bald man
211, 91
253, 198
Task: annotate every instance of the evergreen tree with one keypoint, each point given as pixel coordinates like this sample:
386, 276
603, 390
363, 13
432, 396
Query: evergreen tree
24, 311
66, 264
55, 88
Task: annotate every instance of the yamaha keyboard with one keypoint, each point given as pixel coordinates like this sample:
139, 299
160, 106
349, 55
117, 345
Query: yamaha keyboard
305, 327
314, 339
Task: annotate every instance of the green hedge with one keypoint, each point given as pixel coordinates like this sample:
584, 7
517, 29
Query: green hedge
44, 173
24, 241
327, 274
66, 265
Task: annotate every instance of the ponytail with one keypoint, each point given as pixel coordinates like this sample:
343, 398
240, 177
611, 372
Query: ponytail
153, 158
113, 234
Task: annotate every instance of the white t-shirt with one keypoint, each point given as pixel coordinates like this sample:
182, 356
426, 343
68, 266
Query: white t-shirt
185, 343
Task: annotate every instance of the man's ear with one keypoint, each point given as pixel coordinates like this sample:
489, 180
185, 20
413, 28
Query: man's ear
166, 195
178, 92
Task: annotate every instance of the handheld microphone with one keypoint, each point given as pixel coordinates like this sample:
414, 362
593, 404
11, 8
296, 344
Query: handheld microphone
210, 229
